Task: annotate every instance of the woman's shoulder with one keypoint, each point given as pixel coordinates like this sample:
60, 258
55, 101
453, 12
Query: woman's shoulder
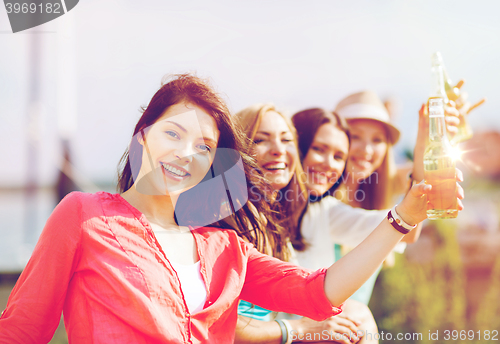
86, 197
227, 237
330, 200
71, 213
88, 202
325, 203
319, 214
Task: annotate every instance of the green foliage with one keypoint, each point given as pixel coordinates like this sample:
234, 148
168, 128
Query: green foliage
422, 297
488, 314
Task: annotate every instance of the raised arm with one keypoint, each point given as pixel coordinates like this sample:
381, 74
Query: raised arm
350, 226
345, 276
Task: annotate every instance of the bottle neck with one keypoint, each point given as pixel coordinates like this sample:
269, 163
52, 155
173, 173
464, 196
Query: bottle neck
437, 83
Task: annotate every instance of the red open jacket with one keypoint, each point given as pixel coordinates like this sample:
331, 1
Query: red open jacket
98, 261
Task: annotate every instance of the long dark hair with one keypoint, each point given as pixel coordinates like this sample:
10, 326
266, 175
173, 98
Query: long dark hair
307, 123
204, 203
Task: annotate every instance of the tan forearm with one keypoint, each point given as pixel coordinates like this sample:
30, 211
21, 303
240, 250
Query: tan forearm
349, 273
249, 330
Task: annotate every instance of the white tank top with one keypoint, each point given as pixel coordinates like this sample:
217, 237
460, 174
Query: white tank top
192, 284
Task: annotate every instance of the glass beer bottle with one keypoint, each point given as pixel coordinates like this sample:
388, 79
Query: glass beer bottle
439, 166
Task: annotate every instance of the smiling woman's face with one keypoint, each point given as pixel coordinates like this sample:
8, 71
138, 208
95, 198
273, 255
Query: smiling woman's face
368, 147
178, 150
275, 150
325, 159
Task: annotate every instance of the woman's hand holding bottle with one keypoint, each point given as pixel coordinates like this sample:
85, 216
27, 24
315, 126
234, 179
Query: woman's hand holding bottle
413, 208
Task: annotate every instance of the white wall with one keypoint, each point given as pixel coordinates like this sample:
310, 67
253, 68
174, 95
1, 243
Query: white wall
293, 53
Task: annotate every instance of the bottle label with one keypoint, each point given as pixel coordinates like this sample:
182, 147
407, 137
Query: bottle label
435, 114
436, 107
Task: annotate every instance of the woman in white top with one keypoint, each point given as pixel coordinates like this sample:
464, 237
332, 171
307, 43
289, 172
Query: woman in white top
276, 151
324, 145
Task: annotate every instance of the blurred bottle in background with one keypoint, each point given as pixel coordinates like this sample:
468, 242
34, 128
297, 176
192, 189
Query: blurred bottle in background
453, 93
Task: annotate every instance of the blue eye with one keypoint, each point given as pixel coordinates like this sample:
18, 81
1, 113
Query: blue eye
257, 141
172, 133
205, 148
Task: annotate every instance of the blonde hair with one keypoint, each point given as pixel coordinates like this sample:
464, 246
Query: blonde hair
290, 210
366, 105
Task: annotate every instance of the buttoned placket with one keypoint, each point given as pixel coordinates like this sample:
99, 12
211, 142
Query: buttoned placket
155, 243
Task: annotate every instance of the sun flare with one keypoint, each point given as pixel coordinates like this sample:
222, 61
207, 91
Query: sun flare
456, 153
